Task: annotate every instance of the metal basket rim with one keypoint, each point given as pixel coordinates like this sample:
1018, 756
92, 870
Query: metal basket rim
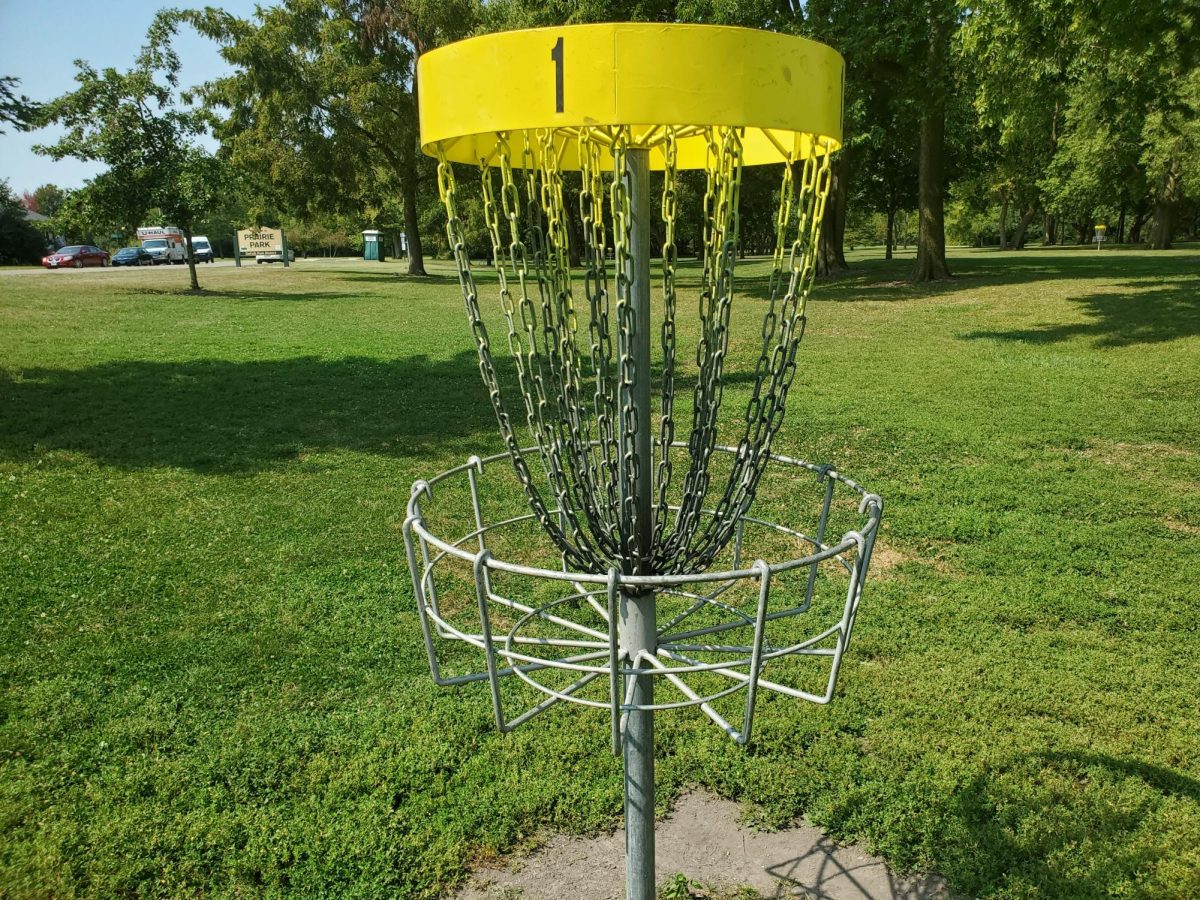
870, 504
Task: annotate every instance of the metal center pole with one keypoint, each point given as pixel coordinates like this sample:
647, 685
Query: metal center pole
636, 629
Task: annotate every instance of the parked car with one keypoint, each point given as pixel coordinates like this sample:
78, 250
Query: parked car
202, 248
275, 257
76, 256
132, 256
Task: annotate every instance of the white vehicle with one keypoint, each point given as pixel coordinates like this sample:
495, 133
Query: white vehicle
202, 248
164, 243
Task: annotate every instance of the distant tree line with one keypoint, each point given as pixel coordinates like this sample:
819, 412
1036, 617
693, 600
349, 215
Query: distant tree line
994, 123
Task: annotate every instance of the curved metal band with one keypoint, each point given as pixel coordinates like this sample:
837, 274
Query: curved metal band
786, 91
870, 505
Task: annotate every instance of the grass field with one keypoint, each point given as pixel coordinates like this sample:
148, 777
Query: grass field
212, 679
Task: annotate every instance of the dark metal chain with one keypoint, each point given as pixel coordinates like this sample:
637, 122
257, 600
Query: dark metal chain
776, 367
589, 460
458, 244
670, 259
724, 173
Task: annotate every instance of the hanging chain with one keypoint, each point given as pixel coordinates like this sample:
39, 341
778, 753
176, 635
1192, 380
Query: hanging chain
670, 259
561, 328
724, 175
776, 366
590, 462
632, 551
454, 234
605, 453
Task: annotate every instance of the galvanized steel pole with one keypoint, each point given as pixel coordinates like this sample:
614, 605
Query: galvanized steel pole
637, 631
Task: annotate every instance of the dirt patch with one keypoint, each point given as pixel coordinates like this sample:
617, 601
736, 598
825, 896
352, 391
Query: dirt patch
1176, 525
885, 558
1133, 456
702, 840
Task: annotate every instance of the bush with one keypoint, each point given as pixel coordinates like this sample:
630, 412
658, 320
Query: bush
20, 241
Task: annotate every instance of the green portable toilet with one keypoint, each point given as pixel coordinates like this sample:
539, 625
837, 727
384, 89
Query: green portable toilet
373, 245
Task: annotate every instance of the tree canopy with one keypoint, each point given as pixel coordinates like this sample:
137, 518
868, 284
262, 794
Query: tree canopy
16, 110
321, 106
995, 122
137, 123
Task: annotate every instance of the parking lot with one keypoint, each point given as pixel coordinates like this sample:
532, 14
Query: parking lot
18, 271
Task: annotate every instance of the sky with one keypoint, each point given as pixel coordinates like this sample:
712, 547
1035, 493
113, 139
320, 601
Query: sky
41, 41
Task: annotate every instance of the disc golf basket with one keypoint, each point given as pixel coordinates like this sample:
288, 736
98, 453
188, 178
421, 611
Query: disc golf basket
615, 561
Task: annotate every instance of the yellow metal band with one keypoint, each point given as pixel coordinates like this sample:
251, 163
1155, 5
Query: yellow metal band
785, 91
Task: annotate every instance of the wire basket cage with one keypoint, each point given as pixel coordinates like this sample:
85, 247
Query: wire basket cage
556, 629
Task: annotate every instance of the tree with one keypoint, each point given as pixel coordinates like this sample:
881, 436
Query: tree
20, 241
47, 199
16, 110
887, 153
938, 21
1096, 108
134, 123
1018, 66
322, 103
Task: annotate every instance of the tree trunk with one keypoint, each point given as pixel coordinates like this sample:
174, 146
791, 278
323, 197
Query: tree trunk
397, 248
1022, 227
1004, 223
891, 233
1164, 225
412, 231
1164, 210
1085, 230
931, 233
1050, 229
1121, 224
191, 258
1135, 232
831, 252
574, 228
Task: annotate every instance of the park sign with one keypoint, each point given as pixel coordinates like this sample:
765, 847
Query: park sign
256, 241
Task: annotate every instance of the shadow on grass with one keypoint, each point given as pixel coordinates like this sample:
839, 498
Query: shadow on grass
247, 295
887, 281
1079, 838
397, 278
1163, 313
221, 416
224, 416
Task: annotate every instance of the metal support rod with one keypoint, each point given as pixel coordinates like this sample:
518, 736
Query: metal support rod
637, 623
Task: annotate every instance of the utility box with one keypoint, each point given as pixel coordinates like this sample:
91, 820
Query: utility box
373, 245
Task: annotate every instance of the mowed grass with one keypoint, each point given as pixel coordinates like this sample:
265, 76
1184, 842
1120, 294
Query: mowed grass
211, 671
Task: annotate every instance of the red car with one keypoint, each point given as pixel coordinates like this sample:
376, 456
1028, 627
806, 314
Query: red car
76, 257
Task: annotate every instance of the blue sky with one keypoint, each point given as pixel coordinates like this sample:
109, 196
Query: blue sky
41, 42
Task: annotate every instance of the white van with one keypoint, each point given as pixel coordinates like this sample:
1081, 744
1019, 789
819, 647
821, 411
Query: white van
164, 243
202, 248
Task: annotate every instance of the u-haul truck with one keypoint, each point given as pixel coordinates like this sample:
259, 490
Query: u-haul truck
165, 244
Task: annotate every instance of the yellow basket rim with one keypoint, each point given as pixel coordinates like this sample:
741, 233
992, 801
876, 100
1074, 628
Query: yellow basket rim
784, 91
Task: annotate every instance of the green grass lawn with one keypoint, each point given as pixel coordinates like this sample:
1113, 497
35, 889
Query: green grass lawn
211, 676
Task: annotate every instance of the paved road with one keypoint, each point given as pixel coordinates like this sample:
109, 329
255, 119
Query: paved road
58, 273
